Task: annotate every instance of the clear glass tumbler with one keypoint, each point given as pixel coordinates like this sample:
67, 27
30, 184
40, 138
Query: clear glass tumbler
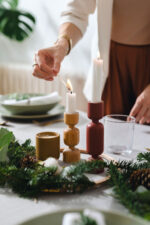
119, 133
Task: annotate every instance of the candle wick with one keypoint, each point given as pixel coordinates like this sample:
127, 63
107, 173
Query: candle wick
69, 90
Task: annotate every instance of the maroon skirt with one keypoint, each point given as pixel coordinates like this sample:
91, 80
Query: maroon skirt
129, 74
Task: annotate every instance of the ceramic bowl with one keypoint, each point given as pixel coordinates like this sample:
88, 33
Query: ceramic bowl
28, 109
111, 218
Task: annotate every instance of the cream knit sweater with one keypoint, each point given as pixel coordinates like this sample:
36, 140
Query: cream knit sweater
77, 12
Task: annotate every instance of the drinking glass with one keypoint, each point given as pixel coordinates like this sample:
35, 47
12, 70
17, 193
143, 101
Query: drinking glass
119, 133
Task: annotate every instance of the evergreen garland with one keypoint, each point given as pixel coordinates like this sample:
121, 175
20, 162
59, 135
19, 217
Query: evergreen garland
33, 180
137, 202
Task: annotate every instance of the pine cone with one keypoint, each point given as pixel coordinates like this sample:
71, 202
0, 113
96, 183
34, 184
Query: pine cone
28, 161
140, 177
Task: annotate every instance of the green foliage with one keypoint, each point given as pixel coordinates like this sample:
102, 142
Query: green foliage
9, 3
30, 182
15, 24
138, 203
86, 166
144, 157
6, 137
85, 220
17, 152
34, 181
20, 96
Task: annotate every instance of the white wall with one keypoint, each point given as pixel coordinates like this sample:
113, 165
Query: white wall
47, 13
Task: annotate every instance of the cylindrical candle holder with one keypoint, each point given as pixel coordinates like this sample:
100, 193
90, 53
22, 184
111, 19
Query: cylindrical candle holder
71, 138
47, 145
95, 130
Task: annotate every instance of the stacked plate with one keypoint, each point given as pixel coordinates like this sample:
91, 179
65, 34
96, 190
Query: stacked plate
110, 218
30, 106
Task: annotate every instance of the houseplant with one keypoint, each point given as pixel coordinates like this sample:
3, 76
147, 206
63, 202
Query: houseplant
16, 24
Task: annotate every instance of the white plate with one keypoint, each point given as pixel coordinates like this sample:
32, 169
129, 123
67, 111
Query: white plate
27, 109
111, 218
56, 111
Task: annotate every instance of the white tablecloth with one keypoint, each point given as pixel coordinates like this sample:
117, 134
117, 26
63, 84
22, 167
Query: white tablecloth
14, 209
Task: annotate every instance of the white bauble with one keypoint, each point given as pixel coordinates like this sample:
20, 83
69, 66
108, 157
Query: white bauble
51, 162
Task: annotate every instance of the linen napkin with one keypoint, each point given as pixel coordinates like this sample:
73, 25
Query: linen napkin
74, 218
37, 100
97, 216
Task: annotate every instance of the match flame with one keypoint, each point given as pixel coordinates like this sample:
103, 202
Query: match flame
69, 85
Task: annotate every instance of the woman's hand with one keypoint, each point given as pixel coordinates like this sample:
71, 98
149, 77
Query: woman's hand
141, 108
48, 61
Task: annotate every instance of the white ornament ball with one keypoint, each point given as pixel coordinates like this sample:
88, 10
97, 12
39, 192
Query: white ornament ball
50, 162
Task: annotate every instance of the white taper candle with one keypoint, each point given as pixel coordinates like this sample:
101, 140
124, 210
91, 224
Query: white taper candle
97, 80
70, 102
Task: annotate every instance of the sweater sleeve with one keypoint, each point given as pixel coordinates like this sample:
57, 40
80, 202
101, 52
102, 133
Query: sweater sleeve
77, 12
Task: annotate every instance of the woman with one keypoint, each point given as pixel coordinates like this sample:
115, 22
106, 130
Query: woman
124, 43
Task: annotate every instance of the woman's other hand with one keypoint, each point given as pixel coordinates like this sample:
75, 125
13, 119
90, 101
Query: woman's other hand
141, 108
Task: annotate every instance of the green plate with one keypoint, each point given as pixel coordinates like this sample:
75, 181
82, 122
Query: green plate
56, 111
111, 218
26, 109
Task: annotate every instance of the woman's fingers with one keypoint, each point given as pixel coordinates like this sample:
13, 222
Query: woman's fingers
49, 62
40, 74
139, 109
136, 108
40, 60
146, 117
141, 113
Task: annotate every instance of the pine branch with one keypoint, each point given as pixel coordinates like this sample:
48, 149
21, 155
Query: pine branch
17, 152
144, 157
137, 203
86, 166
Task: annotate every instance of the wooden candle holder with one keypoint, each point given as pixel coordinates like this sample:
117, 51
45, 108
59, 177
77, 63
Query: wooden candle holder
47, 145
71, 138
95, 131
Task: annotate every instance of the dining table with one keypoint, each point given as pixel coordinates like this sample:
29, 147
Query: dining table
15, 209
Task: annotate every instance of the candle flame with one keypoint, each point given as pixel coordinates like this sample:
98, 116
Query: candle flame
69, 85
